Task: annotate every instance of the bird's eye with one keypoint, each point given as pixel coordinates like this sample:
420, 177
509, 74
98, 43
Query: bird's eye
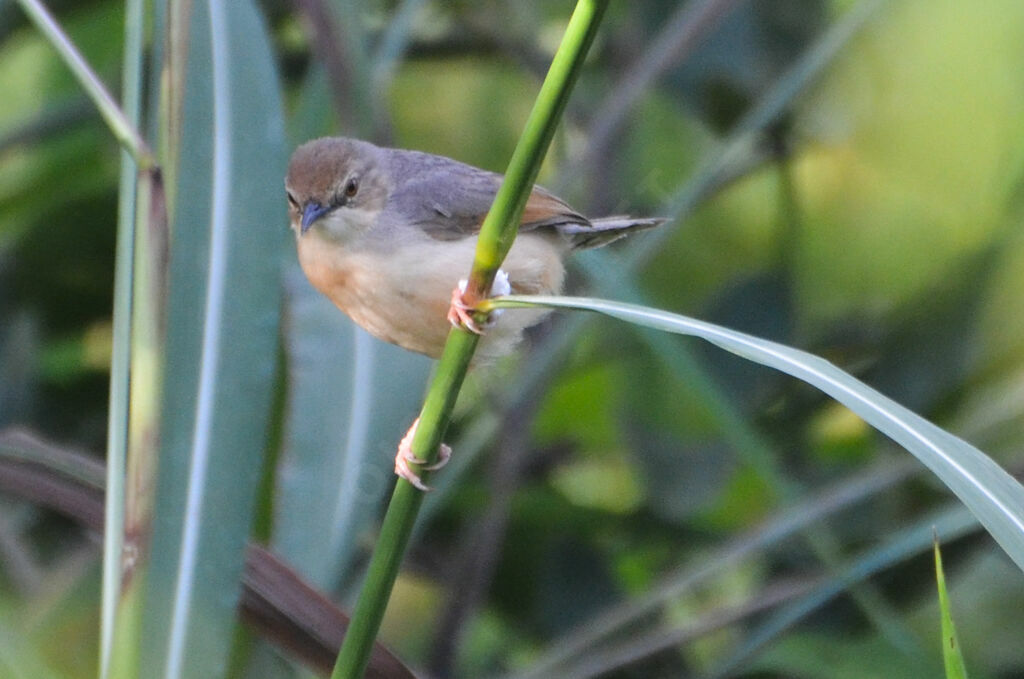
292, 202
351, 188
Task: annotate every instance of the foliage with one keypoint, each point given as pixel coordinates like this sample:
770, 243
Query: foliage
844, 177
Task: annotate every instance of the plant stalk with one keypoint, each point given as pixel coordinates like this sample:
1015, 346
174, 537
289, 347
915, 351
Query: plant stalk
115, 118
497, 233
120, 361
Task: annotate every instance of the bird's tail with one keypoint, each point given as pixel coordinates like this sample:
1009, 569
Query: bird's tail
605, 230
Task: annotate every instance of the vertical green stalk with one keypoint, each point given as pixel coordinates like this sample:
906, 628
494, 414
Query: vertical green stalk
131, 438
147, 292
124, 271
496, 236
502, 222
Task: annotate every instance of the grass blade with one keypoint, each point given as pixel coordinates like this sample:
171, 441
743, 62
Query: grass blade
951, 654
342, 386
322, 400
221, 350
992, 495
116, 120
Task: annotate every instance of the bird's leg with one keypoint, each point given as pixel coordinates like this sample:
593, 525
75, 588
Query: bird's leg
405, 456
460, 314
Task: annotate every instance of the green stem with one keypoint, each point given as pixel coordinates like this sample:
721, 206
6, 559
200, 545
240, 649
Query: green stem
115, 118
500, 227
120, 359
496, 236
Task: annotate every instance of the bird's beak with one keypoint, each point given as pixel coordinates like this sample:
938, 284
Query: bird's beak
312, 212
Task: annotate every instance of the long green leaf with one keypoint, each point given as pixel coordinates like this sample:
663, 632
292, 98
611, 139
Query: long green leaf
992, 495
221, 349
343, 386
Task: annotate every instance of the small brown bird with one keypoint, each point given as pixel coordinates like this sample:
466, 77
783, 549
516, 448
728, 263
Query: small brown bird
386, 235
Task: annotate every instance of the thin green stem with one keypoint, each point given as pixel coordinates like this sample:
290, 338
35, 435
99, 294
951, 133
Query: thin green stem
496, 236
500, 226
120, 361
115, 118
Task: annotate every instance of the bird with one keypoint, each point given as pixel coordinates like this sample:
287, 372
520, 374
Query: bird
385, 234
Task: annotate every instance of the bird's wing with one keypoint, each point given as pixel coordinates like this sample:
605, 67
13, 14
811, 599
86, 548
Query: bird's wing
449, 199
545, 210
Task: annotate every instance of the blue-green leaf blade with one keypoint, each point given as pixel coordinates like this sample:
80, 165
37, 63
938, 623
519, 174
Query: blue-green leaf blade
992, 495
222, 330
349, 399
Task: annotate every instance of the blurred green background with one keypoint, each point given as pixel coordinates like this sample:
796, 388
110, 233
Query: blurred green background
876, 221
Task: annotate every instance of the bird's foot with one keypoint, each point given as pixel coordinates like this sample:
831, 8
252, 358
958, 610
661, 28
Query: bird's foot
405, 456
460, 313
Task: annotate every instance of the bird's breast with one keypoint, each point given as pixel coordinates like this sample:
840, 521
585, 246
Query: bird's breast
402, 295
